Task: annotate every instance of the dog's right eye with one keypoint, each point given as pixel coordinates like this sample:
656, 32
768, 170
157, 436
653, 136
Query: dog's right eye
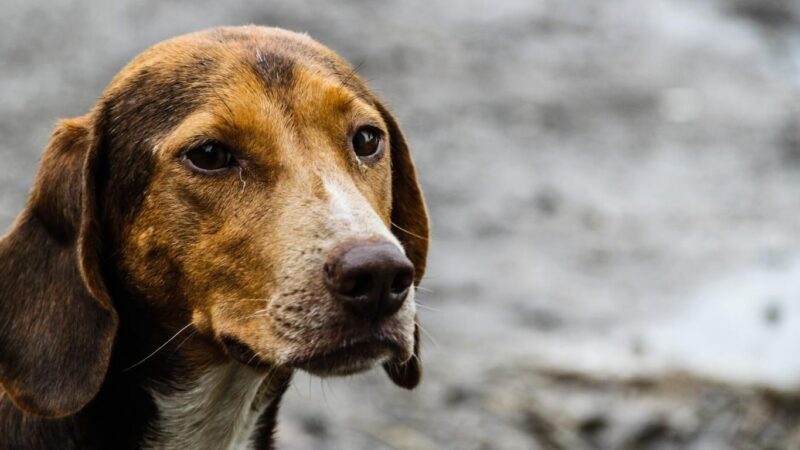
210, 157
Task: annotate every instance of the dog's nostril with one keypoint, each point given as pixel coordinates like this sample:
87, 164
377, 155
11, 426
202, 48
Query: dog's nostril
402, 281
358, 285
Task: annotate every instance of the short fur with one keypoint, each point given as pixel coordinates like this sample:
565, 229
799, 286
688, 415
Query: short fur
131, 286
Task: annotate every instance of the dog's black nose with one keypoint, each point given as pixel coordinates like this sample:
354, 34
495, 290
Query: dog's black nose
372, 280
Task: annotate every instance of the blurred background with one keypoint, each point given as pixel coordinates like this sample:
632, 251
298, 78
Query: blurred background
615, 197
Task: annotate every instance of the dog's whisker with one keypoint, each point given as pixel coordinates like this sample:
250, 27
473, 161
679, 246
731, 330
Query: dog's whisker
245, 299
424, 289
272, 371
429, 308
159, 348
428, 334
230, 119
254, 356
408, 232
353, 73
421, 302
194, 331
324, 395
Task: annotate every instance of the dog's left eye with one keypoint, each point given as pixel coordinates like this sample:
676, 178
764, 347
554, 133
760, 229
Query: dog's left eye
210, 157
367, 141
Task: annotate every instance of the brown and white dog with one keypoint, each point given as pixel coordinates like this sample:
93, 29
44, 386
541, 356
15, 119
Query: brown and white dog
238, 205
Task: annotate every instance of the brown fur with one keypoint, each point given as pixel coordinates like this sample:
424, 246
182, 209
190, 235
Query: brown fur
121, 246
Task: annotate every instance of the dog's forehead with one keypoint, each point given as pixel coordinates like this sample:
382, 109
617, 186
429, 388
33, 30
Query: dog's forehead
225, 66
205, 59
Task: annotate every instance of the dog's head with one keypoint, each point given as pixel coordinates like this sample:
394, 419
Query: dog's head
243, 182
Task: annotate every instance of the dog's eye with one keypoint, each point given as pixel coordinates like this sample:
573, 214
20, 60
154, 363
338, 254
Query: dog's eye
367, 141
210, 157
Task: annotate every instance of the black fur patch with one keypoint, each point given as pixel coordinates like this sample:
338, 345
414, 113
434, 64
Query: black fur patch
276, 70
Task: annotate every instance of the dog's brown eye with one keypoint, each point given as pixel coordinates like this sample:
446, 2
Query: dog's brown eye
367, 141
210, 157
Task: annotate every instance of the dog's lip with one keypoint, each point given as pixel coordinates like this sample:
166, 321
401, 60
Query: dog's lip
348, 358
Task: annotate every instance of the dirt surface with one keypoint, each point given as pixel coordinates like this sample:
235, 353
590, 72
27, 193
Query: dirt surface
614, 192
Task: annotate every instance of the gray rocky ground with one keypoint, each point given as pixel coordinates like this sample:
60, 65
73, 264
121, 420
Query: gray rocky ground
614, 189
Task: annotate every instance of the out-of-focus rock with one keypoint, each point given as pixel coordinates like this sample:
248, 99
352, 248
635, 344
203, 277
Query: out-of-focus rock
769, 13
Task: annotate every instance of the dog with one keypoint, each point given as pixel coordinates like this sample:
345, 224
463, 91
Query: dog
238, 205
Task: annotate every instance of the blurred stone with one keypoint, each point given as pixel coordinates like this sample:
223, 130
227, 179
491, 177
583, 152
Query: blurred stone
457, 395
548, 201
681, 105
592, 219
790, 140
538, 318
593, 425
769, 13
403, 438
648, 434
773, 313
315, 426
555, 117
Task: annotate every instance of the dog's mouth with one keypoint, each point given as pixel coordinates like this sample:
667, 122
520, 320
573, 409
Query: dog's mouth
347, 359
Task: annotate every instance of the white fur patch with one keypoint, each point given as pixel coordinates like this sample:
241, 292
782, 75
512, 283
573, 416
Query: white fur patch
352, 216
214, 412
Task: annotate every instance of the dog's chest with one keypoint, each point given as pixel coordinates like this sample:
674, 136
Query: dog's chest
219, 410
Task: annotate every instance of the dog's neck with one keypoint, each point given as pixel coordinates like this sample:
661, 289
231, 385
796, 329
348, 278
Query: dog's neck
184, 391
221, 409
225, 406
195, 396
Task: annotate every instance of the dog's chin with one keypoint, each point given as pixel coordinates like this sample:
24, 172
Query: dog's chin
347, 359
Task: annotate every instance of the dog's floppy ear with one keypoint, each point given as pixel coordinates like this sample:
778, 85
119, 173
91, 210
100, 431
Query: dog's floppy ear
409, 214
57, 324
410, 225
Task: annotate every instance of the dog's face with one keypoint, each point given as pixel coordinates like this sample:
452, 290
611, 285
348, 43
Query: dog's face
246, 183
277, 169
